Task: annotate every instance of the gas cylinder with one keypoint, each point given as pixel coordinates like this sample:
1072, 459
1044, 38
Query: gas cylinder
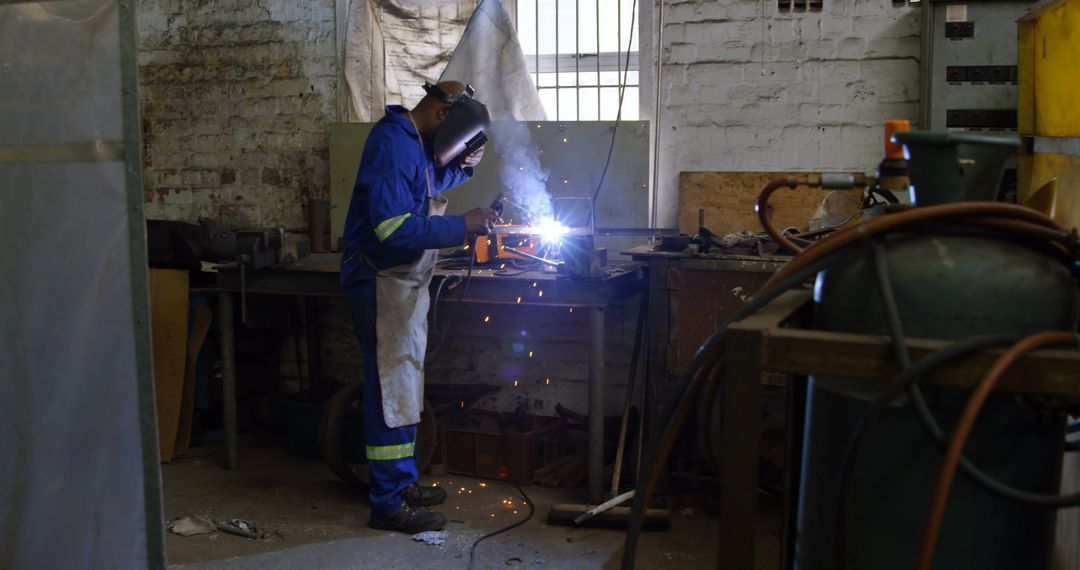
949, 285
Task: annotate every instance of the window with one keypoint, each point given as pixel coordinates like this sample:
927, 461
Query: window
576, 58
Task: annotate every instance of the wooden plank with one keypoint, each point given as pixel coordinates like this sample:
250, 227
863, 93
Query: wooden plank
199, 329
728, 199
168, 320
1053, 372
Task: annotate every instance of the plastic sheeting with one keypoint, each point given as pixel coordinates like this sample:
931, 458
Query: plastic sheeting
71, 477
489, 58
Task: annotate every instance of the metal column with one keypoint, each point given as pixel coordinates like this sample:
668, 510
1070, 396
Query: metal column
228, 375
596, 405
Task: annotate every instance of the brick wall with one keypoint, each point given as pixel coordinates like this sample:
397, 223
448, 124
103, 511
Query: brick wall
829, 80
237, 97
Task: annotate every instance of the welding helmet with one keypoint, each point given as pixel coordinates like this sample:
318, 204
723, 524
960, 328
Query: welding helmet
463, 129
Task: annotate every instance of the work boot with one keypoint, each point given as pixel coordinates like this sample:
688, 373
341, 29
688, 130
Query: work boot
420, 496
409, 519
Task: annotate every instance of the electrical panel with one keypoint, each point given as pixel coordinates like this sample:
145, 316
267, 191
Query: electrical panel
971, 72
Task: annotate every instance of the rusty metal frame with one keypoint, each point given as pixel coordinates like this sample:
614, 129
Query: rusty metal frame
772, 341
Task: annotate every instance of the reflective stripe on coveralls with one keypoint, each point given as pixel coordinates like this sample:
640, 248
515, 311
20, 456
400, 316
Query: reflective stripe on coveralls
385, 452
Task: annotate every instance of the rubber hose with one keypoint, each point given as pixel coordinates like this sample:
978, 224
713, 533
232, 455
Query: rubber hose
963, 429
678, 391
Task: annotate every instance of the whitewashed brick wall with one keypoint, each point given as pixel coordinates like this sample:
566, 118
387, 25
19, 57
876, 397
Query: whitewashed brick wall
830, 79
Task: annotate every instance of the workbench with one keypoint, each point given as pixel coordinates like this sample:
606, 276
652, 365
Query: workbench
319, 275
777, 339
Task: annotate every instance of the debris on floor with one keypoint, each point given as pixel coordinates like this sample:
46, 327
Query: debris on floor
201, 524
191, 526
432, 537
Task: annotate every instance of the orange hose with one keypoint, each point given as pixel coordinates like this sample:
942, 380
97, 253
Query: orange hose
762, 209
963, 430
970, 210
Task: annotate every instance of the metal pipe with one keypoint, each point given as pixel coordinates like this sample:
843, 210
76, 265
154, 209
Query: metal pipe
228, 375
659, 47
596, 404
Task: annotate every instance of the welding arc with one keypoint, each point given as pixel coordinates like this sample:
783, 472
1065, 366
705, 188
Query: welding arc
656, 453
964, 426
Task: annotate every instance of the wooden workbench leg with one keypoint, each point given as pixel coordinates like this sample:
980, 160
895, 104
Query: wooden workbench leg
741, 443
596, 405
228, 375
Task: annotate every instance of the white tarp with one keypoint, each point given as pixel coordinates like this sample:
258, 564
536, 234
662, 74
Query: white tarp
382, 47
489, 57
71, 477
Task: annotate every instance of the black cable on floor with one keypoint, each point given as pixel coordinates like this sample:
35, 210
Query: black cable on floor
532, 509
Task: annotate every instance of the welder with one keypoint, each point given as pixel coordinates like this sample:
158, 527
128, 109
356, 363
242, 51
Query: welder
394, 228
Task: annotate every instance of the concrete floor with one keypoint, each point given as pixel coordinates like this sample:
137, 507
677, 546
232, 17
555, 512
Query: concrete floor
320, 523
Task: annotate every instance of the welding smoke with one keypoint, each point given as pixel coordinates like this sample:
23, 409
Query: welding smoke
522, 175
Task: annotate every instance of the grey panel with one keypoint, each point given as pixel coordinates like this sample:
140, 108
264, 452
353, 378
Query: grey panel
573, 166
993, 43
71, 480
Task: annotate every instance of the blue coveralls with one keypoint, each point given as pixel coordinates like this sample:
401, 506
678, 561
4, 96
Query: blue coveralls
387, 225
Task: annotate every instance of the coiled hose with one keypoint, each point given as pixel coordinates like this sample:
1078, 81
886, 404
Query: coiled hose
1009, 219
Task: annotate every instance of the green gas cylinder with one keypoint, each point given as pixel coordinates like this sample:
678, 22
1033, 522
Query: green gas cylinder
949, 284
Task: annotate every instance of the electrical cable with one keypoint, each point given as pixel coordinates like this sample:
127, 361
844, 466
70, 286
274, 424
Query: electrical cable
706, 353
618, 114
532, 509
963, 429
933, 428
901, 383
433, 355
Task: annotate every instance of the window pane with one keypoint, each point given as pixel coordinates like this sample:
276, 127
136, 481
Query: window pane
626, 13
567, 79
547, 97
546, 80
546, 18
568, 26
587, 111
630, 110
588, 77
609, 103
567, 104
526, 26
586, 27
610, 77
609, 30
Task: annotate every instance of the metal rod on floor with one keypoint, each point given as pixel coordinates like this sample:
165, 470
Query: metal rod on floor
596, 404
228, 375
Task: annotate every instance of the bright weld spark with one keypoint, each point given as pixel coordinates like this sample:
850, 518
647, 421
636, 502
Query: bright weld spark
541, 293
519, 299
487, 318
483, 484
462, 405
534, 283
548, 381
530, 354
571, 310
515, 383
